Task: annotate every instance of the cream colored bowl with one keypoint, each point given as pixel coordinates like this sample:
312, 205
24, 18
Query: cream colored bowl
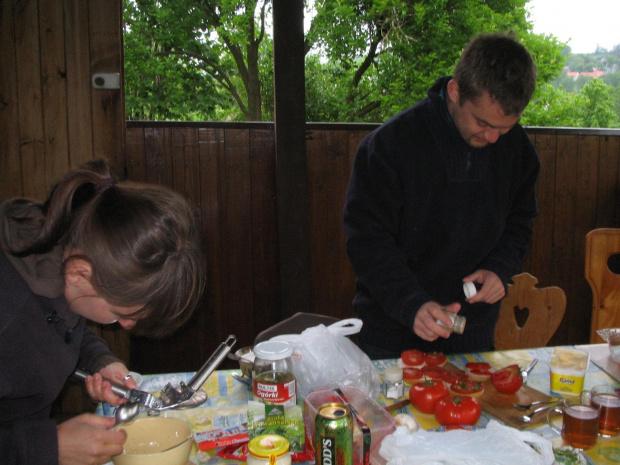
155, 441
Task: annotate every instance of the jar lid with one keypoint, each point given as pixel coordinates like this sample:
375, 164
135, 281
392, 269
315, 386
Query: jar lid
267, 445
273, 350
469, 289
393, 373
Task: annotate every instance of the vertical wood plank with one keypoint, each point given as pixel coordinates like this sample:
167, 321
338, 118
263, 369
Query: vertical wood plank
237, 240
608, 186
79, 114
30, 119
10, 161
108, 107
54, 90
585, 215
264, 232
541, 251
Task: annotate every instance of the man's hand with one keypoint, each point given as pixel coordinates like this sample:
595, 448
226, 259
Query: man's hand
425, 325
492, 289
87, 439
101, 390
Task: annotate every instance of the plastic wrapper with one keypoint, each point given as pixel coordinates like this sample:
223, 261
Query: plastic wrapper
494, 445
324, 356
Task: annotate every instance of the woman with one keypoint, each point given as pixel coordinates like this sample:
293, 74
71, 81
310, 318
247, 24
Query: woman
95, 250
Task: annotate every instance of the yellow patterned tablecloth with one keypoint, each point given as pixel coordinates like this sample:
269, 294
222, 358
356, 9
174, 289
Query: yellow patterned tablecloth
228, 398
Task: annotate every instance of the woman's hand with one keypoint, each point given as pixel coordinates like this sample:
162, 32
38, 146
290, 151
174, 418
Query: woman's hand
101, 390
87, 439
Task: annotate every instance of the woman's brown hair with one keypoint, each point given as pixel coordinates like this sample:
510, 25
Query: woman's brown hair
140, 239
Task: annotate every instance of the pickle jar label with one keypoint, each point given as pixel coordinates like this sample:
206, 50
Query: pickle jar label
276, 393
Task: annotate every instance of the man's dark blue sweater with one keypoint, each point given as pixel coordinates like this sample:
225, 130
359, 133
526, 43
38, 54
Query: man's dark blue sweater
423, 210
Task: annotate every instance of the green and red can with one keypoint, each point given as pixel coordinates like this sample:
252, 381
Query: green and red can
333, 435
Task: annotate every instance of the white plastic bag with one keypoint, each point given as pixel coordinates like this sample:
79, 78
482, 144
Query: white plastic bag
494, 445
325, 357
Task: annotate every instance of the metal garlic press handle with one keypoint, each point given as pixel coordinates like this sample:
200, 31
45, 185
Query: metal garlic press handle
210, 365
132, 395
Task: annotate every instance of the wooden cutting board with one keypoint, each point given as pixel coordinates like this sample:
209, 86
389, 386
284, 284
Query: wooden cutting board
500, 405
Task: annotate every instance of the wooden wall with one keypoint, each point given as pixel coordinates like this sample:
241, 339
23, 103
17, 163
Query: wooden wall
227, 171
51, 118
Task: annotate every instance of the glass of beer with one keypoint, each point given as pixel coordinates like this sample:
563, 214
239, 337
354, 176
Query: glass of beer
579, 423
608, 399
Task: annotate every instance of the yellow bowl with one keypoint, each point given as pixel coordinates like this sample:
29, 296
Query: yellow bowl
155, 441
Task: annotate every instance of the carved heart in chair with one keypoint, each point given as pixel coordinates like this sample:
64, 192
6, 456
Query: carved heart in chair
521, 315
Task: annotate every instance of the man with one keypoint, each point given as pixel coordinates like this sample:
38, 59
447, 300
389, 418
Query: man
442, 194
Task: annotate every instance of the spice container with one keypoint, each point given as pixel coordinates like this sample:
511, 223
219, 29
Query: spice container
272, 380
458, 323
393, 384
269, 449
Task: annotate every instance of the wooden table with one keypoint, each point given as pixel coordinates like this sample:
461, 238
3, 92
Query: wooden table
228, 397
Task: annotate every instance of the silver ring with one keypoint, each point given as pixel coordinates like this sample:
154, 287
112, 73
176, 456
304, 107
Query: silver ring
127, 377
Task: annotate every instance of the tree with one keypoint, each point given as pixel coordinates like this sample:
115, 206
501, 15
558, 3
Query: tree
390, 51
596, 106
218, 41
366, 59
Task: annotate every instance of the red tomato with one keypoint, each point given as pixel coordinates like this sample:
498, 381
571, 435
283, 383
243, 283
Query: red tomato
425, 394
457, 411
432, 372
451, 376
413, 358
508, 380
467, 387
435, 359
412, 375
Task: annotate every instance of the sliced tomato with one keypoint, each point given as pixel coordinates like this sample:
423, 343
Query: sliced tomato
467, 387
432, 372
412, 375
478, 375
479, 371
424, 395
451, 376
413, 358
456, 410
479, 366
508, 380
435, 359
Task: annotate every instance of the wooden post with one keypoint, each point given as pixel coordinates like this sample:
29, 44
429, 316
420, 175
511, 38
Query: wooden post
291, 164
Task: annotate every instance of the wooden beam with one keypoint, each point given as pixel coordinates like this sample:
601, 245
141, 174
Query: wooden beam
291, 165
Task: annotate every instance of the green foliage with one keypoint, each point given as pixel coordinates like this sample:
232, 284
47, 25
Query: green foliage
366, 60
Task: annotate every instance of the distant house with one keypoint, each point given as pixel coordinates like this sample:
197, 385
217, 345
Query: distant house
596, 73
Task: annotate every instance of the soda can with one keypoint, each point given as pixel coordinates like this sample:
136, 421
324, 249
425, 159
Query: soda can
333, 436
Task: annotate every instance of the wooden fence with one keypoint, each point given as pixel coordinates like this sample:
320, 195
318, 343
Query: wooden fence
228, 173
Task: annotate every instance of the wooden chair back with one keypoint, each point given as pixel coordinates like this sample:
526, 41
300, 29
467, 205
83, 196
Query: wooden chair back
603, 249
528, 316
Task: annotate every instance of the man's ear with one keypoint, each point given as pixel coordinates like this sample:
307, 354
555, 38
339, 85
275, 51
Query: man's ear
453, 91
78, 272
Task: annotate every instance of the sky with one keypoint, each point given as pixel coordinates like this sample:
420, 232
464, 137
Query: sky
584, 24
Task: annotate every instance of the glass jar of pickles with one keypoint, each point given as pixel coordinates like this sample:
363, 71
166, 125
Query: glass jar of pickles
272, 380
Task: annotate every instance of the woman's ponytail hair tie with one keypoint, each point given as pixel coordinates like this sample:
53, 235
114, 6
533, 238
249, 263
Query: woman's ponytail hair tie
104, 185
